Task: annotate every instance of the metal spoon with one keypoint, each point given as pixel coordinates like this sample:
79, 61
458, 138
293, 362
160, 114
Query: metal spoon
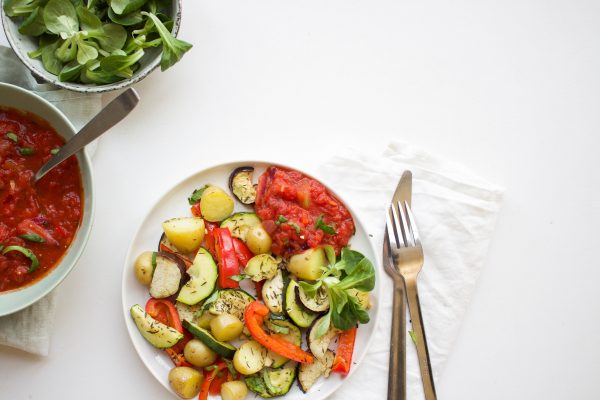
114, 112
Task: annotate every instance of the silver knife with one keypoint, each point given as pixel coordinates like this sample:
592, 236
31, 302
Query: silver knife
397, 363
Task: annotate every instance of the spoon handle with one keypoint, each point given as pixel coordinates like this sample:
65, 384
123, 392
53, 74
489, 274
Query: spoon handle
114, 112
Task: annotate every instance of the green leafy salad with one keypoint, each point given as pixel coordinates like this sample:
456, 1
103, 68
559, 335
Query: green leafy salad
97, 41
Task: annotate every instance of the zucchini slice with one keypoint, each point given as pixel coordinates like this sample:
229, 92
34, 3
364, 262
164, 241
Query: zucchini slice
168, 275
257, 385
279, 381
221, 348
240, 223
301, 317
261, 267
203, 278
158, 334
319, 303
229, 301
308, 374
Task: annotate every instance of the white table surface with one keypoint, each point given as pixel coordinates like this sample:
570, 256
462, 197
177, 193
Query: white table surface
510, 89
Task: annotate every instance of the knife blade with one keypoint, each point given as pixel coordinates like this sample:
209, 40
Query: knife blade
397, 363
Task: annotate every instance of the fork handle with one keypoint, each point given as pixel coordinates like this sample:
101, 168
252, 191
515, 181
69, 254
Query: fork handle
397, 371
414, 307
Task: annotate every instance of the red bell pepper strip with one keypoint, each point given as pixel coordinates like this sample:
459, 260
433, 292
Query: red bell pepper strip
343, 356
242, 251
209, 238
253, 316
220, 379
208, 379
164, 311
228, 262
195, 210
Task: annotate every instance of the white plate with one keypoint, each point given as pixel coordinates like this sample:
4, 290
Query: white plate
174, 204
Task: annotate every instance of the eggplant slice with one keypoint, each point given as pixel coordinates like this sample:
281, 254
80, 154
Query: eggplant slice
308, 374
319, 303
319, 346
169, 275
240, 183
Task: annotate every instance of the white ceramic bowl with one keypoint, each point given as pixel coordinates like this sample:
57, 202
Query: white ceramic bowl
21, 99
21, 45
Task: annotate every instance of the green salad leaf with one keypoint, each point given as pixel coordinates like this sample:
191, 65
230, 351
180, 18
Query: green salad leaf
173, 48
97, 41
342, 278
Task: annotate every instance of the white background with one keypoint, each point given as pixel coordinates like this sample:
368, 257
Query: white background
510, 89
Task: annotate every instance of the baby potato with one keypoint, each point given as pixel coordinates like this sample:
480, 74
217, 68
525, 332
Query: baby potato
234, 390
186, 233
204, 320
226, 327
258, 240
215, 204
307, 265
198, 354
185, 381
143, 268
249, 358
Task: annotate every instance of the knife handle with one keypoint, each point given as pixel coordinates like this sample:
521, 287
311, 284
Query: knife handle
416, 318
397, 371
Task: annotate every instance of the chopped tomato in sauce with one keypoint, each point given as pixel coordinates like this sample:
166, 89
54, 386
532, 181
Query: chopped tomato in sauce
293, 206
50, 209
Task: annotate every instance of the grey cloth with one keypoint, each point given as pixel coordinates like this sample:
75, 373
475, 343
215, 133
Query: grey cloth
30, 329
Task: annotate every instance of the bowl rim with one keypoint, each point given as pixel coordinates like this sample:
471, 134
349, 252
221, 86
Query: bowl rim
47, 77
20, 298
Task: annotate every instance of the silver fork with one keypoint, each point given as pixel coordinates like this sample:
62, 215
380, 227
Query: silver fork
406, 253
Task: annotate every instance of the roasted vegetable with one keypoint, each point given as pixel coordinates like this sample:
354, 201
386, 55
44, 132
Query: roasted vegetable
215, 204
308, 264
229, 301
300, 315
279, 381
258, 240
203, 278
319, 345
261, 266
240, 223
272, 293
221, 348
185, 233
158, 334
199, 354
169, 275
249, 358
185, 381
308, 374
318, 303
240, 183
144, 267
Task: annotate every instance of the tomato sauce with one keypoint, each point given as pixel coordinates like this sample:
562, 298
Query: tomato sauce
300, 213
41, 217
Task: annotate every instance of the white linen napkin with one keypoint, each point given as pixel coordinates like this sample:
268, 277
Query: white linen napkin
455, 213
30, 329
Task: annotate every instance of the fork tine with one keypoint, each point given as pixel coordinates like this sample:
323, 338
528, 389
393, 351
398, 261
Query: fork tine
406, 233
397, 226
391, 231
413, 225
